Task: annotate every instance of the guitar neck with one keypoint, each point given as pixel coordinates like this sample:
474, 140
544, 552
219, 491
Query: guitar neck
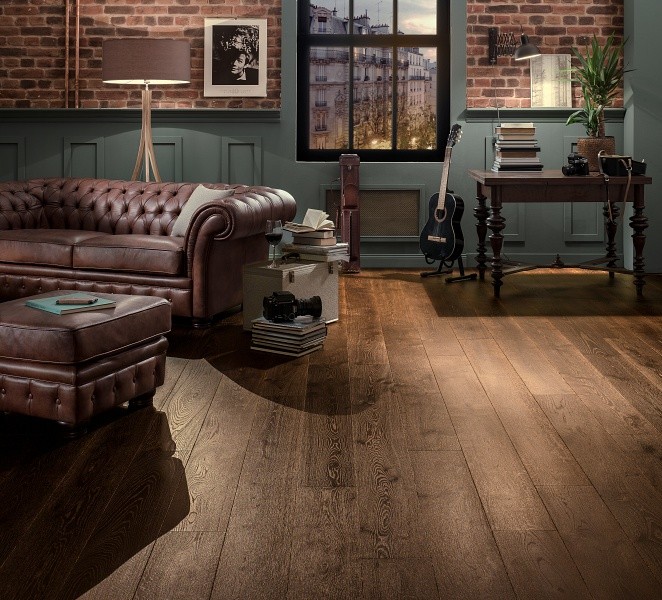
444, 178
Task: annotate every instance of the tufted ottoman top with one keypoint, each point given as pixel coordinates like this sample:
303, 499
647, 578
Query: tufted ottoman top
34, 335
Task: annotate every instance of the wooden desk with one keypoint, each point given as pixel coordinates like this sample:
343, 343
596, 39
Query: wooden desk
553, 186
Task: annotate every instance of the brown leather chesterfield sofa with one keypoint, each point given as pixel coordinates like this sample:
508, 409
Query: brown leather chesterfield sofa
102, 235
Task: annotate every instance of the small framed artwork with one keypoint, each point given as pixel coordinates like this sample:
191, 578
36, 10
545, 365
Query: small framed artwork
551, 83
236, 57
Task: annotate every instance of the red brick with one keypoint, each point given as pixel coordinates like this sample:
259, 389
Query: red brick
558, 25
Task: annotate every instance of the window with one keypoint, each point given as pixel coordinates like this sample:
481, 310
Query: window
364, 89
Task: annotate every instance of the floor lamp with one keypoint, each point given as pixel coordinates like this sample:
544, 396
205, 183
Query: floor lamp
146, 61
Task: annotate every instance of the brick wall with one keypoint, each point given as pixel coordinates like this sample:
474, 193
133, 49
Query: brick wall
32, 50
32, 47
553, 25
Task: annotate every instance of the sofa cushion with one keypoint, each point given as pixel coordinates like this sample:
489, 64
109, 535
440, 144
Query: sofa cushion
154, 254
52, 247
200, 196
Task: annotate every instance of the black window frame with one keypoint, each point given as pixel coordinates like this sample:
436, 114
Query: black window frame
307, 40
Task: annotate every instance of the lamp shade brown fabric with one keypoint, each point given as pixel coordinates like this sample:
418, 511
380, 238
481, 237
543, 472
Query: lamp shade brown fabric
146, 61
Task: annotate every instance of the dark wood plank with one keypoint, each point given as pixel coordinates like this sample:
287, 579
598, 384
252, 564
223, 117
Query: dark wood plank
328, 449
388, 516
396, 578
526, 357
460, 543
214, 466
182, 566
365, 341
589, 339
538, 445
122, 583
188, 403
323, 535
607, 561
174, 369
69, 516
503, 483
634, 502
255, 560
540, 566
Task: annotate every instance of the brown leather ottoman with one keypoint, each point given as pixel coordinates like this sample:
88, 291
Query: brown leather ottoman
68, 368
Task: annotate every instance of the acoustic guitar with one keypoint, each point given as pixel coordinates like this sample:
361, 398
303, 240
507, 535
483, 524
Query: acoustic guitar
441, 238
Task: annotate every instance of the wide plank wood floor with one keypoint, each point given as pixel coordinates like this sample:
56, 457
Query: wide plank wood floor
442, 445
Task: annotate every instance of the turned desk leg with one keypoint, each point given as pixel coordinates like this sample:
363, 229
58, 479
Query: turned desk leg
639, 223
496, 224
481, 213
612, 227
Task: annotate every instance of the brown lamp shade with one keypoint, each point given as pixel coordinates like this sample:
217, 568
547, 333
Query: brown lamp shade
146, 61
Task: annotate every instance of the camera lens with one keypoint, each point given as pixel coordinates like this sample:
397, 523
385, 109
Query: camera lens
311, 306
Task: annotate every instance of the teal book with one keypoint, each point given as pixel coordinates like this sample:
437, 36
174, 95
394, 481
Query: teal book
77, 303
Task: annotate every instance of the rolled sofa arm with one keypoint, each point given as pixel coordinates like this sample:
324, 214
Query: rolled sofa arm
239, 216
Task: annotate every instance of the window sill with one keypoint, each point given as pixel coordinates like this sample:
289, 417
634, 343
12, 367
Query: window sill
478, 115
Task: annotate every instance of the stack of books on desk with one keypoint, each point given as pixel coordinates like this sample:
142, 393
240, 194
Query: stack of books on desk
291, 338
516, 148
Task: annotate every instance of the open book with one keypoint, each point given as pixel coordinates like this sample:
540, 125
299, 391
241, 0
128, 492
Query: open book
313, 220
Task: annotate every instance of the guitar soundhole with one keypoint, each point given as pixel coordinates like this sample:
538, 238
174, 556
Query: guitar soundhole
440, 214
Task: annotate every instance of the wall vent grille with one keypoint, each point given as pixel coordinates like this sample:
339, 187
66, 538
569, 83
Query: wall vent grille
384, 212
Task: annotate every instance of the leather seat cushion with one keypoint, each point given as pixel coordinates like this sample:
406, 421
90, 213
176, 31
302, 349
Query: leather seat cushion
154, 254
35, 335
42, 246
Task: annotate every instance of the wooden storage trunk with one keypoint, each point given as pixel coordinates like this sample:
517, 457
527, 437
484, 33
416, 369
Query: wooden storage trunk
304, 279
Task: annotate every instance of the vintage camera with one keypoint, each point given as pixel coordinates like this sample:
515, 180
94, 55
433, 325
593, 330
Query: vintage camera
283, 306
577, 165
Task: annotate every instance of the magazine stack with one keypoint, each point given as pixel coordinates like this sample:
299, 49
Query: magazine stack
292, 338
516, 148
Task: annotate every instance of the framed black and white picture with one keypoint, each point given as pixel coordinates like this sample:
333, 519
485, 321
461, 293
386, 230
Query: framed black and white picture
236, 57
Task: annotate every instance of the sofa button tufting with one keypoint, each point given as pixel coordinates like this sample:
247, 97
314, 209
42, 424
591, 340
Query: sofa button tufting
30, 396
57, 401
4, 391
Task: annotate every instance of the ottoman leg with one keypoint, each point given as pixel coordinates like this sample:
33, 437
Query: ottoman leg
71, 431
142, 400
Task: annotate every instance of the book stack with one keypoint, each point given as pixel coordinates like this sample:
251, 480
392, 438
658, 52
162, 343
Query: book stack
516, 148
70, 303
315, 238
319, 253
291, 338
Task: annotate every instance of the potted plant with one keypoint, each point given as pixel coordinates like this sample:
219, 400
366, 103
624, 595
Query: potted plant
600, 75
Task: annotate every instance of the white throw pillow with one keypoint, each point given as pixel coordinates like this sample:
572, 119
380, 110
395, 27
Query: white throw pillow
201, 195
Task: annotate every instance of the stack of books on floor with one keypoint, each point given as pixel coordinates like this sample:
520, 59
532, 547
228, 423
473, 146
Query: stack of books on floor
292, 338
516, 148
315, 238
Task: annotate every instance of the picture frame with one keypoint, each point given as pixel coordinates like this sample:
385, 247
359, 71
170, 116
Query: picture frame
551, 84
235, 59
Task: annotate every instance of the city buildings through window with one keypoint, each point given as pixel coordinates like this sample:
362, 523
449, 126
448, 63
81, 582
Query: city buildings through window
376, 84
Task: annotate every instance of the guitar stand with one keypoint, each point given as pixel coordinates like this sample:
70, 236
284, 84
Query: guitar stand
443, 269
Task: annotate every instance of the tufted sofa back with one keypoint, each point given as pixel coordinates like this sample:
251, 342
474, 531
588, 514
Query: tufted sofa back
105, 205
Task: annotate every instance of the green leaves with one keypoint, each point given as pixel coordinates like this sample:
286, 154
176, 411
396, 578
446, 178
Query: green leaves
589, 116
600, 73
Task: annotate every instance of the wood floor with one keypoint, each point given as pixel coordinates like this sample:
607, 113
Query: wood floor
443, 444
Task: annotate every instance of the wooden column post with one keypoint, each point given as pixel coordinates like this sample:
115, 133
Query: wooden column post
350, 229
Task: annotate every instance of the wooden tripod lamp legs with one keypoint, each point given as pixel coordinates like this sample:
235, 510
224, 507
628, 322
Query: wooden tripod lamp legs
146, 147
